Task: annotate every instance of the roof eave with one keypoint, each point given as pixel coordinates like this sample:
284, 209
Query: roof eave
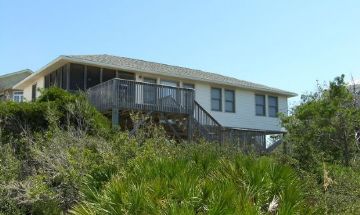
21, 84
33, 76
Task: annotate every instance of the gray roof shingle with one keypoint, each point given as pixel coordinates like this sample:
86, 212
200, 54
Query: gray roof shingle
173, 71
7, 81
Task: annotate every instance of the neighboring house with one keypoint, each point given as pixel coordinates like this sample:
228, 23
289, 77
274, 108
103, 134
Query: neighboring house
210, 100
7, 83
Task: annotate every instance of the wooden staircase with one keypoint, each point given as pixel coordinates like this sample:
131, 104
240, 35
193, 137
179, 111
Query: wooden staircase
202, 125
206, 126
175, 108
189, 122
175, 126
199, 125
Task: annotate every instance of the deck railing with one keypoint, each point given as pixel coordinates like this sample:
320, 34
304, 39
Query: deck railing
131, 95
207, 125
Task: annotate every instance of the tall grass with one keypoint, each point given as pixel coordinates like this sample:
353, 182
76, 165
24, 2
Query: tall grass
196, 180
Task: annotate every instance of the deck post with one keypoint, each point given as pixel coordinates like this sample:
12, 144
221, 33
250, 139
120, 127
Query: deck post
115, 119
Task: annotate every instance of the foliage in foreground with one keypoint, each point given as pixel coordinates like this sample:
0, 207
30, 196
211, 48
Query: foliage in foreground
128, 176
325, 149
323, 126
50, 168
195, 179
54, 106
65, 165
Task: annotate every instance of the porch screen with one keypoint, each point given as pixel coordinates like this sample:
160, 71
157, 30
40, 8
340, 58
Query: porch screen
93, 76
108, 74
77, 72
64, 78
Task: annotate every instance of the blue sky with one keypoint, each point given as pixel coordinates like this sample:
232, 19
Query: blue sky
284, 44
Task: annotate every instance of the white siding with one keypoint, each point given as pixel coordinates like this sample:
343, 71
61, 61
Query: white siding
244, 116
28, 89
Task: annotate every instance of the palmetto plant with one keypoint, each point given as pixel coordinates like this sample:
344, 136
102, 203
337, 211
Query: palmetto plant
196, 181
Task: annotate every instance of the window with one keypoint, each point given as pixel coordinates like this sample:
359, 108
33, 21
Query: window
191, 86
93, 76
150, 80
216, 99
230, 101
169, 91
260, 105
273, 106
108, 74
126, 75
18, 96
33, 92
77, 77
149, 91
169, 83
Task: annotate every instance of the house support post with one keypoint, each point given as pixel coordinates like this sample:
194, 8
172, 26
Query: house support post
189, 128
115, 118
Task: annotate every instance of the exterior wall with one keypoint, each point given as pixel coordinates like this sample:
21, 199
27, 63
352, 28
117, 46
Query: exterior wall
28, 89
7, 95
244, 116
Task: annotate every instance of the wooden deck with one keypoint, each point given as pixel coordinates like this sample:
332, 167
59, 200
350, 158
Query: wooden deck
139, 96
171, 105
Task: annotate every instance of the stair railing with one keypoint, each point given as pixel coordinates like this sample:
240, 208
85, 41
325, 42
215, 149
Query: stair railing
206, 124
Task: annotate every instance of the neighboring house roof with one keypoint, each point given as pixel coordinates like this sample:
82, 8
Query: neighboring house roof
135, 65
7, 81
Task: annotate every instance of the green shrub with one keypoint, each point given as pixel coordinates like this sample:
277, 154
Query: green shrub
342, 193
54, 106
9, 171
196, 180
322, 127
16, 118
74, 110
59, 154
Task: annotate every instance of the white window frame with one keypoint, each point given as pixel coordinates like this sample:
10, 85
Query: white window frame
228, 101
275, 107
220, 100
19, 95
260, 105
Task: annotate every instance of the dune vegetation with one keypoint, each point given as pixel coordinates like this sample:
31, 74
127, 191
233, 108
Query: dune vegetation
58, 155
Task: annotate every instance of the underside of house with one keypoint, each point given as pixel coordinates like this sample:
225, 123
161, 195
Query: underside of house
123, 87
